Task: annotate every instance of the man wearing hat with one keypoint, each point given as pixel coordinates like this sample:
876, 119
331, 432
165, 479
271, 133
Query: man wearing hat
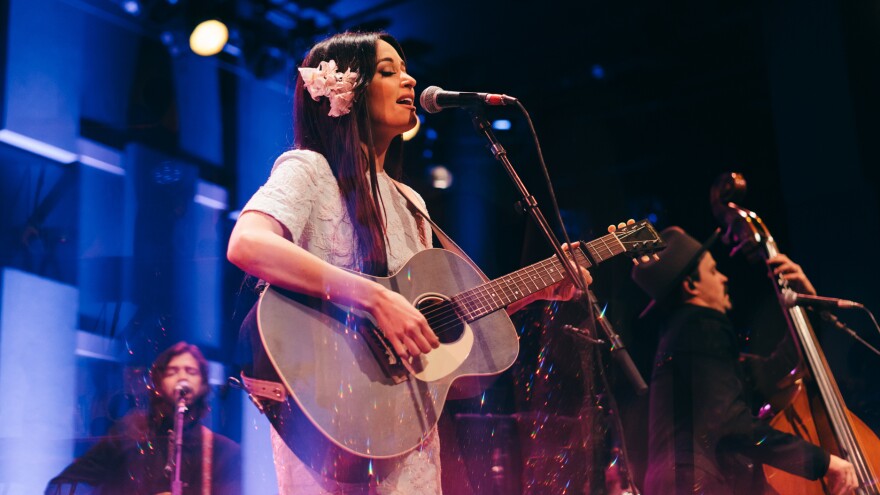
702, 435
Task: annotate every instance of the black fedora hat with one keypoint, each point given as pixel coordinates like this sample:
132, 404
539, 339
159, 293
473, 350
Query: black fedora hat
682, 255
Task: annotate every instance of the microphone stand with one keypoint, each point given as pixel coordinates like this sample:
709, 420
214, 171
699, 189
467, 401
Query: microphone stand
829, 317
618, 350
176, 483
529, 204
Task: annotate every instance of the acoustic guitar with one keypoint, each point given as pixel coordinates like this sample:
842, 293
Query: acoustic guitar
353, 400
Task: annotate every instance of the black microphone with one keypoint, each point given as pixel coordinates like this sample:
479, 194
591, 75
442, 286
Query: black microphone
434, 99
183, 388
791, 298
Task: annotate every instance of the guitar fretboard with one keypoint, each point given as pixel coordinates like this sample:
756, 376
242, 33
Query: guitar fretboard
477, 302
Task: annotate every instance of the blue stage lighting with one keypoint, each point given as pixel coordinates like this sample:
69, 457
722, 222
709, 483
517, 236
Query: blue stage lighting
132, 7
501, 125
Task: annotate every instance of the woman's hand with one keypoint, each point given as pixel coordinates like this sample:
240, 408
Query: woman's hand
260, 246
792, 272
403, 325
564, 290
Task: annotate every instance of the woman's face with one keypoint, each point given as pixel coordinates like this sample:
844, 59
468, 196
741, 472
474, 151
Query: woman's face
391, 95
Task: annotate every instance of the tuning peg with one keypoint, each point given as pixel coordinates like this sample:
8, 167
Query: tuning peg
645, 258
656, 257
635, 262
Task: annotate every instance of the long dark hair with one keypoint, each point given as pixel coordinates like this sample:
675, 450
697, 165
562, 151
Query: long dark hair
339, 140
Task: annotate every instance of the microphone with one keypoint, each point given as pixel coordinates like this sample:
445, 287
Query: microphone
434, 99
791, 298
183, 388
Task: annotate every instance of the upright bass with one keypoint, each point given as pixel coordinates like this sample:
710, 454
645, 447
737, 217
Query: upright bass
815, 411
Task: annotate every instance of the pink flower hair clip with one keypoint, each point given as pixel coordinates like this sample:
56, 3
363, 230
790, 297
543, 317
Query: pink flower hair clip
326, 80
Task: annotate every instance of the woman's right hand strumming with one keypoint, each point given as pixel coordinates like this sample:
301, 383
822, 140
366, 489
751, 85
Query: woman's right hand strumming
258, 245
402, 324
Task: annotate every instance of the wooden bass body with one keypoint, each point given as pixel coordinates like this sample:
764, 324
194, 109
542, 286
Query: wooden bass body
801, 418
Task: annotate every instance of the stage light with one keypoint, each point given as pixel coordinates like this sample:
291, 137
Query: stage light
132, 7
440, 176
232, 50
209, 38
501, 125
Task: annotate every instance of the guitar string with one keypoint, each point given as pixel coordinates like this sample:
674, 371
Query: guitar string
478, 301
480, 295
474, 301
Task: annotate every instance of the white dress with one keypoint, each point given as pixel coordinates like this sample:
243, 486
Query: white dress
303, 195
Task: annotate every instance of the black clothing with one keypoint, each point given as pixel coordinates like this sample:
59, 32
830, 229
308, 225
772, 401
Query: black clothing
702, 435
131, 460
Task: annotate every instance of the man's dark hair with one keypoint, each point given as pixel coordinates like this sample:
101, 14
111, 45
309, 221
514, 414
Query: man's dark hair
157, 372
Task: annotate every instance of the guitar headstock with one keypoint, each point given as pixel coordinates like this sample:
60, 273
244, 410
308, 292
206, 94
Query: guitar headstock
640, 239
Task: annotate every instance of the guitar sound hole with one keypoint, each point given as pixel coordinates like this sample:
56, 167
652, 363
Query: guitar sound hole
441, 317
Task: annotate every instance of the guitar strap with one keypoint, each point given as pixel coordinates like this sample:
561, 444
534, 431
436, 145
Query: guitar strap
446, 241
207, 459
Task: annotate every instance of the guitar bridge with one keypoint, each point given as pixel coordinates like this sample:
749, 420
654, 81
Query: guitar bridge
388, 360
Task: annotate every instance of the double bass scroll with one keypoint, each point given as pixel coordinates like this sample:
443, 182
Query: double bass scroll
817, 412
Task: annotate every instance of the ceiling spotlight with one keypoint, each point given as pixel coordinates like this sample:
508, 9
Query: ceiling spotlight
132, 7
440, 177
208, 38
501, 125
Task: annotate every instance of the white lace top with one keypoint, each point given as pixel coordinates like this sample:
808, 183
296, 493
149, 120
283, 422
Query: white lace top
303, 195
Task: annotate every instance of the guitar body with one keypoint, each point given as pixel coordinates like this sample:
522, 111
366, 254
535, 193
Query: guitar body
355, 408
347, 409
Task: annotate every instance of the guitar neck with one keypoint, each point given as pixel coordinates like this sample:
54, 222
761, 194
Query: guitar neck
504, 291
